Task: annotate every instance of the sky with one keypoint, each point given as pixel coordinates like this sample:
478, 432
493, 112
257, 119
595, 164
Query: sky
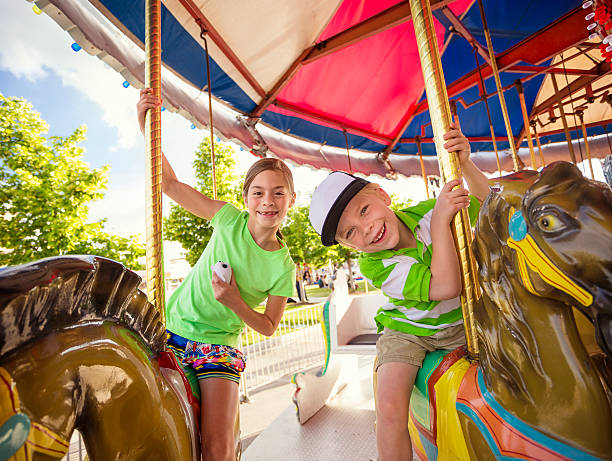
71, 88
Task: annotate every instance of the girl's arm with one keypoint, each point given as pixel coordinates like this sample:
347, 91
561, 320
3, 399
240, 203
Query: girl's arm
186, 196
264, 323
445, 280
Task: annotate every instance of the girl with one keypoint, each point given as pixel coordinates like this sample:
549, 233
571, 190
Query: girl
205, 315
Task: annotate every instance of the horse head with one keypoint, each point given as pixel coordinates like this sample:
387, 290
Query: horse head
552, 232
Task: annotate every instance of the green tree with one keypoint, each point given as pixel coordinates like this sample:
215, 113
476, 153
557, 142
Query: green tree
304, 243
45, 191
192, 232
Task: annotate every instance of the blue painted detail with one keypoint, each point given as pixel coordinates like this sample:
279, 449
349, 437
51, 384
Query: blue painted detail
548, 442
483, 430
13, 434
325, 325
75, 46
517, 226
126, 84
193, 127
430, 449
163, 108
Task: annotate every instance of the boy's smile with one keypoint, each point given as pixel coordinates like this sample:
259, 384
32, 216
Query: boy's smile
368, 224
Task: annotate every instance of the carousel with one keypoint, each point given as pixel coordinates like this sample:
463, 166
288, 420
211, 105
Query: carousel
367, 87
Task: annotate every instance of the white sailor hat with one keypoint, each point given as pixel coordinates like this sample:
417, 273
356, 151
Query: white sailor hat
329, 200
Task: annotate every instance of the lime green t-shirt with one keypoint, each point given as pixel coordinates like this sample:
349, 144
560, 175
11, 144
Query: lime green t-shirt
192, 310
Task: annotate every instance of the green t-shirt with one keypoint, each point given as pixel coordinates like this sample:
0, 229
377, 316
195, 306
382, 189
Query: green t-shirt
404, 275
192, 310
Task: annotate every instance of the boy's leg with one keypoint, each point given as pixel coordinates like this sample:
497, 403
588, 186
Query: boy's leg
395, 381
219, 411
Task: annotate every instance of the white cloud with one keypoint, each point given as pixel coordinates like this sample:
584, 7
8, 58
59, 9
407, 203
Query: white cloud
34, 45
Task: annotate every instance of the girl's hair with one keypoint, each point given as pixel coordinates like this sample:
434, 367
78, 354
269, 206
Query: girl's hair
265, 164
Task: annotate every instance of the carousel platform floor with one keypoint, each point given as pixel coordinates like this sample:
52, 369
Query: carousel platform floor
342, 430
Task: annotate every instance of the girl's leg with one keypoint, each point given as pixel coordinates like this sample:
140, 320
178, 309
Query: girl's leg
394, 386
219, 412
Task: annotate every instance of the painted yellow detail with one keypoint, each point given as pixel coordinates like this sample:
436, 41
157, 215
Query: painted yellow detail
450, 438
525, 274
539, 263
414, 436
40, 439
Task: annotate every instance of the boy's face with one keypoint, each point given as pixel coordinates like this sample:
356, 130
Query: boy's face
367, 223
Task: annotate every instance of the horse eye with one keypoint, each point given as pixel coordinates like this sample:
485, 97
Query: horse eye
549, 223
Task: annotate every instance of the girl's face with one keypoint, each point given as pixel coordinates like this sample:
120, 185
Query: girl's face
269, 198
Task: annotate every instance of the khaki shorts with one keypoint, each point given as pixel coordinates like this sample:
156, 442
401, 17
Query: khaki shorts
394, 346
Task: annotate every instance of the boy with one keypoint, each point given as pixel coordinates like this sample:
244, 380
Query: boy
411, 256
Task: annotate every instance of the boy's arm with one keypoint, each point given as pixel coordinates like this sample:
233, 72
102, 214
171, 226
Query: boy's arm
477, 182
186, 196
445, 280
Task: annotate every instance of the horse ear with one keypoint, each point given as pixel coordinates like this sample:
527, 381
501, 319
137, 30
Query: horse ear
512, 188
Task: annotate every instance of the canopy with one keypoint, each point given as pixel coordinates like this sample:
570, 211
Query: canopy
320, 81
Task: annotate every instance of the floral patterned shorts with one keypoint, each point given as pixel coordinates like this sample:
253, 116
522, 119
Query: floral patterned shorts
207, 360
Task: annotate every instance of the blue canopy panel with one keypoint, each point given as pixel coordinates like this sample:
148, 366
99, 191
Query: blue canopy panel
186, 56
181, 52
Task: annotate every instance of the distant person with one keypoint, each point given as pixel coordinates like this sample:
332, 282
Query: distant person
206, 315
320, 282
410, 255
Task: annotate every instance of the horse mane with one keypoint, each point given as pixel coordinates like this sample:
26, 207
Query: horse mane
504, 334
54, 293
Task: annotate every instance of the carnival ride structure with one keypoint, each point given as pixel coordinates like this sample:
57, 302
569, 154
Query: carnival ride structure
336, 84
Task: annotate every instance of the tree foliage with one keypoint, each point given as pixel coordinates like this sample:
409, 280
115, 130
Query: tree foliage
45, 191
192, 232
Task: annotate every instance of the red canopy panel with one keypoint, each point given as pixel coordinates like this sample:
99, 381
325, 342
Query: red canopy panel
377, 100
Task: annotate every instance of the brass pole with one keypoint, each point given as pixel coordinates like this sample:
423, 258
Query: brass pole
537, 138
500, 93
418, 143
450, 168
153, 159
568, 137
586, 142
521, 93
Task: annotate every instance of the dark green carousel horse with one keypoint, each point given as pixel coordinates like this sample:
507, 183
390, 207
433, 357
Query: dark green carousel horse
82, 348
543, 244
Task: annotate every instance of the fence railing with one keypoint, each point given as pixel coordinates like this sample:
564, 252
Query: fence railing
297, 344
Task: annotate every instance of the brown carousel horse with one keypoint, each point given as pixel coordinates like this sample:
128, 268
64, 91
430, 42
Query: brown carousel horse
543, 244
81, 348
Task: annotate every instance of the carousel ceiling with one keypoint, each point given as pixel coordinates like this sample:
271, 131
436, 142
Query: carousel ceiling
314, 81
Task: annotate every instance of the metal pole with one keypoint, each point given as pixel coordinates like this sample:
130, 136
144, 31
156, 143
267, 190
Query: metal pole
521, 93
568, 137
439, 111
154, 252
537, 138
483, 96
419, 148
210, 115
500, 93
586, 142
